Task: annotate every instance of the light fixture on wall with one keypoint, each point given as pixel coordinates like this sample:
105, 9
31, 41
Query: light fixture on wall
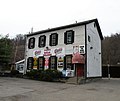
91, 47
47, 48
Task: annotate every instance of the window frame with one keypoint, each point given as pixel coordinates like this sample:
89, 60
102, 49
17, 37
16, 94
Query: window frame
43, 63
53, 39
55, 65
68, 64
44, 41
28, 60
66, 38
29, 43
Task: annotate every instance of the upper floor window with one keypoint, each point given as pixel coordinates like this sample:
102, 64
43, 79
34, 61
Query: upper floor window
42, 41
69, 37
31, 43
53, 39
89, 39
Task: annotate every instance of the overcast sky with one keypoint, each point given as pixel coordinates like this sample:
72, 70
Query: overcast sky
19, 16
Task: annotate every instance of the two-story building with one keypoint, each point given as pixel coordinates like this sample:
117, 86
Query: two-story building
74, 49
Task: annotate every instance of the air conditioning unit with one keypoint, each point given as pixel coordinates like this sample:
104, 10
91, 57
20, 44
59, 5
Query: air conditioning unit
82, 49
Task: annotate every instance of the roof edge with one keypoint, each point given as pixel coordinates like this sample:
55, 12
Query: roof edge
69, 26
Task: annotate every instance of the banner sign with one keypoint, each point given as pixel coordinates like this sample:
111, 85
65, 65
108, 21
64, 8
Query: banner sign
35, 63
47, 52
60, 62
82, 49
59, 51
37, 53
75, 49
46, 63
69, 73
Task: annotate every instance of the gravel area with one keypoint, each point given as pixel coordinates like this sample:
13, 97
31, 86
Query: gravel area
16, 89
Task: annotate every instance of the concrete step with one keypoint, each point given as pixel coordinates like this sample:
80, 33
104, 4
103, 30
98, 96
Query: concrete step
72, 80
75, 80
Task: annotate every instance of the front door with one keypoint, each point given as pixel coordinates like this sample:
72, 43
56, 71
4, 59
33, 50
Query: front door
79, 70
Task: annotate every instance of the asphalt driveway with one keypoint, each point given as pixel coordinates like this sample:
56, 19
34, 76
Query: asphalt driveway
16, 89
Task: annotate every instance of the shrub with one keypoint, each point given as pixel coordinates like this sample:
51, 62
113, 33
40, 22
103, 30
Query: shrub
46, 75
33, 74
14, 73
50, 75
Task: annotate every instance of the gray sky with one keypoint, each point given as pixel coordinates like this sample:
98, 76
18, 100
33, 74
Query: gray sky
19, 16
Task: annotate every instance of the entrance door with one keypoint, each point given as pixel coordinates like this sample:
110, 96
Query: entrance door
80, 70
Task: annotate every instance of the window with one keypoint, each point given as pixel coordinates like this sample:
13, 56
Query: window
31, 43
30, 63
41, 63
69, 37
42, 41
53, 62
68, 62
53, 39
89, 39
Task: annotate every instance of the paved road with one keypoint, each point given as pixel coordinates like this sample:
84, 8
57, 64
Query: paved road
15, 89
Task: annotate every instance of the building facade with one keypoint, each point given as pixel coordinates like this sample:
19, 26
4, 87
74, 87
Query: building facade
74, 49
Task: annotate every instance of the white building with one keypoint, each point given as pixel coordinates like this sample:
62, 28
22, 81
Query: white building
20, 66
74, 49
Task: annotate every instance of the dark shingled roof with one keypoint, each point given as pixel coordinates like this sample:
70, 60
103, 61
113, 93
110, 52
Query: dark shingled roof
69, 26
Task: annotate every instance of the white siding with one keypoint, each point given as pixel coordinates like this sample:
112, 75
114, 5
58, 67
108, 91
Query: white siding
78, 40
94, 54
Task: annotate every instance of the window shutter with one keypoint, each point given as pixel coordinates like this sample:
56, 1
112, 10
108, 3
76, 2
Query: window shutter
39, 42
65, 38
55, 63
50, 39
33, 42
72, 36
44, 41
49, 62
56, 39
29, 43
64, 62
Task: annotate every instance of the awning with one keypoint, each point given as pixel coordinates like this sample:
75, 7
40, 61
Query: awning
77, 58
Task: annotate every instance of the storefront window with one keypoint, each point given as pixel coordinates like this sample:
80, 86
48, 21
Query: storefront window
30, 63
69, 65
41, 63
53, 62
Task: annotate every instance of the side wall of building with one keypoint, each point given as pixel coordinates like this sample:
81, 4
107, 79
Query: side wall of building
93, 51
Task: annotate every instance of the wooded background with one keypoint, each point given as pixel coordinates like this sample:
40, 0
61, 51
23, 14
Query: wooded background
12, 50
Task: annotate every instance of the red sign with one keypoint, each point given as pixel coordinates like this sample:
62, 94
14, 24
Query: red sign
46, 63
77, 58
47, 52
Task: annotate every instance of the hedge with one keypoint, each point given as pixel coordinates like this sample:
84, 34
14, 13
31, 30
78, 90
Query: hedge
46, 75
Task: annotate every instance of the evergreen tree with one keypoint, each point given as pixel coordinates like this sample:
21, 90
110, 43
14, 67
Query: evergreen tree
5, 52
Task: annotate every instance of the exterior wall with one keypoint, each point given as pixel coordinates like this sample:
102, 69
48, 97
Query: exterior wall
79, 39
93, 51
20, 67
